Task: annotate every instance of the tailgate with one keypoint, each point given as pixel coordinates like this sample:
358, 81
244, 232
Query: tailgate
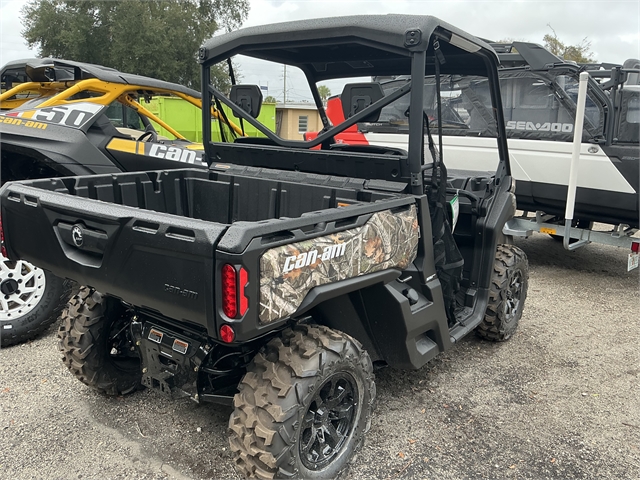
149, 259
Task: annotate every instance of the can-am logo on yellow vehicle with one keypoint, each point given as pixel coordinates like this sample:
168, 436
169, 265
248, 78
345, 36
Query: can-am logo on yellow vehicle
173, 153
158, 150
74, 115
9, 120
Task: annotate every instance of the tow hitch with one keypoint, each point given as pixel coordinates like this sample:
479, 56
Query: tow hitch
170, 363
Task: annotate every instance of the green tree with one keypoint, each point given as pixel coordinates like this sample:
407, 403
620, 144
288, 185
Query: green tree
270, 99
155, 38
324, 92
580, 53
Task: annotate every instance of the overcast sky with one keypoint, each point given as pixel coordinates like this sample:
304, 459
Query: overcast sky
612, 27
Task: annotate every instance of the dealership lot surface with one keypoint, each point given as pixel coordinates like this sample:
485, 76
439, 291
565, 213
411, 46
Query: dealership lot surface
559, 400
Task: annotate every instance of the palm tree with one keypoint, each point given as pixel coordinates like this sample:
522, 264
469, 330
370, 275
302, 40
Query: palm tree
324, 92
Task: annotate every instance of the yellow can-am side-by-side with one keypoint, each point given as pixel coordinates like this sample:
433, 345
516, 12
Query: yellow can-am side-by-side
61, 118
100, 92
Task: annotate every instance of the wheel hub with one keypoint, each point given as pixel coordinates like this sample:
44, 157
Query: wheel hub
328, 421
9, 286
513, 295
321, 417
22, 286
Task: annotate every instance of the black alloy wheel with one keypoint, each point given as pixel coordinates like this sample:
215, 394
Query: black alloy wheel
329, 421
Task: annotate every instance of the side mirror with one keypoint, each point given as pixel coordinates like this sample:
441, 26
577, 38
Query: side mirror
358, 96
248, 98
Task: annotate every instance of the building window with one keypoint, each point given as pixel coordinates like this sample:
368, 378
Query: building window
302, 123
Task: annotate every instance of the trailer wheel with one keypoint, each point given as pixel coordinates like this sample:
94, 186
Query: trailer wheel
31, 299
304, 405
507, 294
95, 344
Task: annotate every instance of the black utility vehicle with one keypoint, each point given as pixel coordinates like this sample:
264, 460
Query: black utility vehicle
278, 278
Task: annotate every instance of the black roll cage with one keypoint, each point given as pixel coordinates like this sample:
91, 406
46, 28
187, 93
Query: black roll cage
418, 55
333, 130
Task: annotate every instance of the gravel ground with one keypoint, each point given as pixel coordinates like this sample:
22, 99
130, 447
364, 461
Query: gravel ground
559, 400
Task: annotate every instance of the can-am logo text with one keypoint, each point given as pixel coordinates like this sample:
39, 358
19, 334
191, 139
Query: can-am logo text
309, 258
173, 153
540, 127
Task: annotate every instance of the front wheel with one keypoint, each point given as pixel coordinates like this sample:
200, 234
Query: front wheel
304, 405
31, 299
507, 294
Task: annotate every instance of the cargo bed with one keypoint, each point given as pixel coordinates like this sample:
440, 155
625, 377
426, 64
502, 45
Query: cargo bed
157, 240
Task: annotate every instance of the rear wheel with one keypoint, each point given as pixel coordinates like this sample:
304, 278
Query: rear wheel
94, 340
304, 406
31, 299
507, 294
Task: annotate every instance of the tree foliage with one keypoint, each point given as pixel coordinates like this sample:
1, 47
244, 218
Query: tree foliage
270, 99
155, 38
324, 92
580, 53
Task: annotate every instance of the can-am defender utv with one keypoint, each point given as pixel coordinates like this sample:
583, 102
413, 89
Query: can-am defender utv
277, 279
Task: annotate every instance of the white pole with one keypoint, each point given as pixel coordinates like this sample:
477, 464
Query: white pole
575, 157
577, 143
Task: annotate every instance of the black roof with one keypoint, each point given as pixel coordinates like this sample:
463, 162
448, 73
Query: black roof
349, 46
41, 69
518, 54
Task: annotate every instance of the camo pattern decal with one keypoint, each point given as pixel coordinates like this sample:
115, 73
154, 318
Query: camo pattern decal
289, 272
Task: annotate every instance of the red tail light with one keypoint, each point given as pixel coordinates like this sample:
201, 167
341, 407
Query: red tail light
244, 301
227, 334
229, 295
2, 249
234, 299
635, 247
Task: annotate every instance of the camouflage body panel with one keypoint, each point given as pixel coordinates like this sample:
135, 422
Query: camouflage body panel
289, 272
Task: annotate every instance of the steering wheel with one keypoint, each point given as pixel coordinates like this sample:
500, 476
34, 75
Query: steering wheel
148, 136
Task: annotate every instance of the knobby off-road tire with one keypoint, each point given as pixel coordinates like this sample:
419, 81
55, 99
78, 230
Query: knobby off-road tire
304, 405
32, 300
88, 323
507, 294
